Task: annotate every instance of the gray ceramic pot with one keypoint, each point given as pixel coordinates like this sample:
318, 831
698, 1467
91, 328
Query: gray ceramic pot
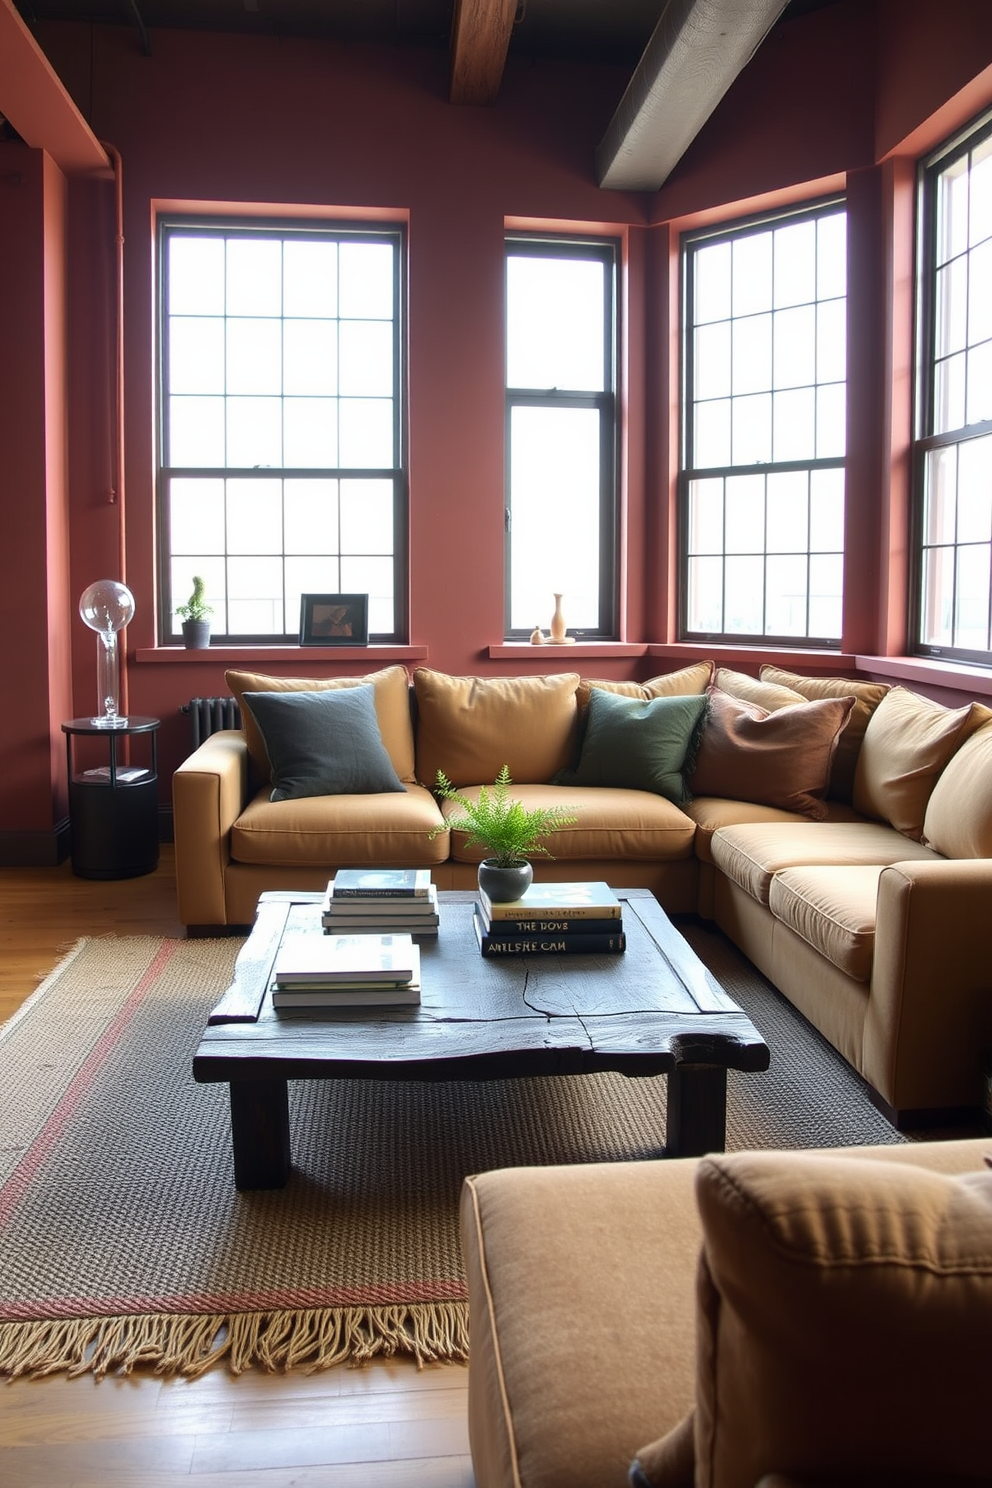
196, 634
504, 885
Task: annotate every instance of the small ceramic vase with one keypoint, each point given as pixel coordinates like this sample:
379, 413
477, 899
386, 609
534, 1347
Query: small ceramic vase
557, 623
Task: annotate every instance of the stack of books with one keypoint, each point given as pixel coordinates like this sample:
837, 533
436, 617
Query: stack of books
552, 919
327, 971
374, 900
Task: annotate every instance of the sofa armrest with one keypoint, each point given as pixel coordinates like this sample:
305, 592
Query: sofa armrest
209, 792
928, 1029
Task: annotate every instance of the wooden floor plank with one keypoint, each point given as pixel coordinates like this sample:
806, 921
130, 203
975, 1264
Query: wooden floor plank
257, 1430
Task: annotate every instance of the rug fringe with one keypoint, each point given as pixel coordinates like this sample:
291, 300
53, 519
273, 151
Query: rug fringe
309, 1340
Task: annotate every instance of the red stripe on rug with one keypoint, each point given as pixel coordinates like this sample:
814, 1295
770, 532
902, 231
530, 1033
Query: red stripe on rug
26, 1170
195, 1303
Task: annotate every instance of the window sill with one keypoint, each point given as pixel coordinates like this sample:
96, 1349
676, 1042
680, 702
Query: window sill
921, 669
792, 660
239, 655
602, 650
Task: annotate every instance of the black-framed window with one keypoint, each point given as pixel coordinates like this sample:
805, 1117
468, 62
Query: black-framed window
953, 466
561, 410
764, 429
281, 424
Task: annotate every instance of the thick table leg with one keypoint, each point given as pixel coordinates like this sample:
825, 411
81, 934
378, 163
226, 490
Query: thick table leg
260, 1133
697, 1110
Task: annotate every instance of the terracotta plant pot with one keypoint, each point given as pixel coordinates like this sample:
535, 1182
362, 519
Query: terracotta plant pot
505, 884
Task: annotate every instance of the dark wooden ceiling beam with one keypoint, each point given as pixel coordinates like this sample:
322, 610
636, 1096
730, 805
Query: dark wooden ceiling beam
480, 36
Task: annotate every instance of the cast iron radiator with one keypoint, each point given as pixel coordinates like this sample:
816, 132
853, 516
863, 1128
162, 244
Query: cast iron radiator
207, 715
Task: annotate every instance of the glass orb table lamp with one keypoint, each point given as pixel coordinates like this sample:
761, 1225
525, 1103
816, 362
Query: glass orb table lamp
106, 607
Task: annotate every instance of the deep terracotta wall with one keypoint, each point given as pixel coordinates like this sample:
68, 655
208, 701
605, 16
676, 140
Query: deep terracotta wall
210, 118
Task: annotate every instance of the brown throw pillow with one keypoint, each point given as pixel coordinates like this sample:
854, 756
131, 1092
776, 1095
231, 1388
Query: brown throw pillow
866, 695
778, 759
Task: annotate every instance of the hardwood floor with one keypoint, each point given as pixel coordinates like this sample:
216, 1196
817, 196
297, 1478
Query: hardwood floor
388, 1423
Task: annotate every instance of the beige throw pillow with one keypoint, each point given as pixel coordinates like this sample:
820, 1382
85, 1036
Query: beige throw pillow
958, 822
907, 743
866, 695
470, 727
772, 759
688, 681
392, 707
769, 695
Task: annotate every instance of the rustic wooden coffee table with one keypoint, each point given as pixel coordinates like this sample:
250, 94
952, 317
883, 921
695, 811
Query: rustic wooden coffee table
653, 1010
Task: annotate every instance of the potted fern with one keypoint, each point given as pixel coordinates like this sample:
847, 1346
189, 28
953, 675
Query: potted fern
505, 830
195, 615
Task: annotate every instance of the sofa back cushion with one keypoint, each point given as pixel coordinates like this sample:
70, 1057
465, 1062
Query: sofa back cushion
840, 1300
908, 741
470, 727
392, 707
958, 821
768, 695
866, 695
688, 681
775, 759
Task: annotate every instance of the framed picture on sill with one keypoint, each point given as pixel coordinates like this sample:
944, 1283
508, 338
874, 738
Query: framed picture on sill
334, 620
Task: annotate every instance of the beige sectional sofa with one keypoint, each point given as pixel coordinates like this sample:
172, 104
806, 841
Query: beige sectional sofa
819, 1317
840, 832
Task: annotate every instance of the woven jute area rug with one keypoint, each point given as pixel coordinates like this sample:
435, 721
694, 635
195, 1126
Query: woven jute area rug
123, 1240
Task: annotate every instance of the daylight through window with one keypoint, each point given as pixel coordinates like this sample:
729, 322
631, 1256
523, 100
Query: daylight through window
954, 464
280, 420
762, 528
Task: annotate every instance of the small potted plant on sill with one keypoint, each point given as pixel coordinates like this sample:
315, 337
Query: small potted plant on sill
195, 615
507, 832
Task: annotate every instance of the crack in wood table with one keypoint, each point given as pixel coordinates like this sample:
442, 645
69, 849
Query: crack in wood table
654, 1009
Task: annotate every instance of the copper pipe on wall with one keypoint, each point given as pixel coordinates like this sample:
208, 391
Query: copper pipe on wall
117, 491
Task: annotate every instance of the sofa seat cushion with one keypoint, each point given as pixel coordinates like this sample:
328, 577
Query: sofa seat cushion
470, 727
710, 813
752, 854
610, 823
358, 830
832, 910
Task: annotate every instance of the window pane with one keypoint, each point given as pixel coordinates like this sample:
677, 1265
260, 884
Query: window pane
196, 276
196, 355
980, 193
795, 347
831, 341
978, 405
366, 517
752, 429
952, 211
211, 570
555, 320
711, 362
366, 359
554, 479
980, 293
952, 307
745, 519
196, 516
254, 595
940, 495
752, 276
795, 264
254, 277
975, 490
254, 431
705, 596
826, 593
744, 596
706, 516
711, 280
826, 512
948, 410
254, 356
795, 424
788, 512
938, 597
831, 256
311, 433
254, 516
310, 357
786, 579
971, 619
310, 283
311, 517
711, 446
831, 420
196, 431
366, 433
366, 284
752, 358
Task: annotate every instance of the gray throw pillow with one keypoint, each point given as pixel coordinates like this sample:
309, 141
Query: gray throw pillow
640, 744
323, 743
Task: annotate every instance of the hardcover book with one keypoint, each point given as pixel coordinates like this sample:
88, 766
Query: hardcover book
549, 901
380, 883
548, 943
303, 958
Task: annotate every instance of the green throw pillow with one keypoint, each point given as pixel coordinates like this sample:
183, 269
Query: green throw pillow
323, 743
640, 744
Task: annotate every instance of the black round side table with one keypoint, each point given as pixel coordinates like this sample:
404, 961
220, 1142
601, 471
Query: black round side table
113, 807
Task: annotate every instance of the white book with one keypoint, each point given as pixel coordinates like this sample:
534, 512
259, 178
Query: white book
305, 958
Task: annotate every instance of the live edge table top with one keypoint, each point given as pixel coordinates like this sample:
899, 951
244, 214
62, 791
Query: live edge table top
654, 1009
